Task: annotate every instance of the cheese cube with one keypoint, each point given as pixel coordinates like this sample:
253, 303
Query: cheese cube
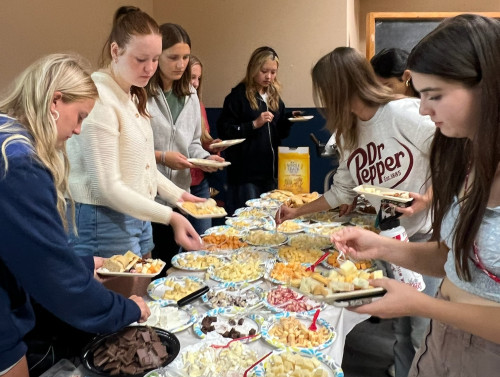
378, 274
347, 268
360, 283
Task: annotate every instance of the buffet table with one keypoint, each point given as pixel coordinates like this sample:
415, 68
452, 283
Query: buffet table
341, 319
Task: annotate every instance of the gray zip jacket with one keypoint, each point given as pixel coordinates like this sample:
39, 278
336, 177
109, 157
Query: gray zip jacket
183, 136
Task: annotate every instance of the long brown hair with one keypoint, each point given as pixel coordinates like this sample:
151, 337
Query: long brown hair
257, 60
338, 77
464, 49
171, 35
129, 21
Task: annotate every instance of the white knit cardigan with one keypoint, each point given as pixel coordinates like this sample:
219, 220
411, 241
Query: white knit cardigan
112, 160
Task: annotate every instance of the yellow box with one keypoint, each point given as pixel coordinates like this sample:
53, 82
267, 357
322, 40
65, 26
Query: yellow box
294, 169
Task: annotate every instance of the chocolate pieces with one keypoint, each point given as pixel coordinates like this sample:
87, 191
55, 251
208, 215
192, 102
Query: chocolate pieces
131, 351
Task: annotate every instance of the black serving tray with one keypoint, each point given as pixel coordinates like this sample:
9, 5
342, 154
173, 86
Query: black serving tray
168, 339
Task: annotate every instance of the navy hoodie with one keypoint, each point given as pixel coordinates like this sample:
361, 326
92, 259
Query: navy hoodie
35, 260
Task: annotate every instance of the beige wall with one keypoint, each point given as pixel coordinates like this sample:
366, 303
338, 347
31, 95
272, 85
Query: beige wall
32, 28
223, 32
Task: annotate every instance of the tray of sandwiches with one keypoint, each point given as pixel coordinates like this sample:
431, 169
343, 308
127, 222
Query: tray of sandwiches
130, 264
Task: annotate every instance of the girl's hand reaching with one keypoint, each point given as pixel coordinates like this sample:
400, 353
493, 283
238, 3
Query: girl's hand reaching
285, 213
145, 311
359, 243
185, 235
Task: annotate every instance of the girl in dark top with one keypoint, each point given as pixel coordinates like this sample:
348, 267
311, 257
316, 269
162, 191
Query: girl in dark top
254, 111
45, 108
390, 67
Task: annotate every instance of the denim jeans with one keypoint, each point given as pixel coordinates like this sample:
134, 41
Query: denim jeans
104, 232
203, 191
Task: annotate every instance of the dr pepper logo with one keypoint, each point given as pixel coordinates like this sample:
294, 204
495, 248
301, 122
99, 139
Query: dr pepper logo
373, 166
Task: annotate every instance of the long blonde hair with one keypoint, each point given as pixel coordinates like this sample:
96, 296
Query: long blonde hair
338, 77
257, 60
205, 135
29, 101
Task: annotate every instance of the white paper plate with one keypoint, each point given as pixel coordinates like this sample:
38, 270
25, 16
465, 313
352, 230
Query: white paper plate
300, 298
195, 254
227, 143
306, 320
310, 241
209, 163
161, 317
296, 226
283, 238
263, 254
301, 118
246, 223
105, 272
212, 272
228, 230
224, 314
254, 212
157, 288
251, 297
326, 363
203, 216
263, 203
375, 194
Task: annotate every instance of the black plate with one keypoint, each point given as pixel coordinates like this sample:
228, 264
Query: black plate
168, 339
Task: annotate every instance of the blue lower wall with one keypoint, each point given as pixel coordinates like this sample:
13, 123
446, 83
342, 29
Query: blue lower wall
299, 137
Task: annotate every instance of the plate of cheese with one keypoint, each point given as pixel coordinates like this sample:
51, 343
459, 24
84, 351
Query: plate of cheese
130, 264
202, 210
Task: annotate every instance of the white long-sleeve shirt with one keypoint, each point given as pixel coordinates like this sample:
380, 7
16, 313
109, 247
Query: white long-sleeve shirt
112, 160
393, 152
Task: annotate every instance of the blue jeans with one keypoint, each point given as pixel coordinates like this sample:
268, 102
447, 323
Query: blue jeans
203, 191
104, 232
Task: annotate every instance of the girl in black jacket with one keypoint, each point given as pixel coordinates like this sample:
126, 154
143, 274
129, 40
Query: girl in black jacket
254, 111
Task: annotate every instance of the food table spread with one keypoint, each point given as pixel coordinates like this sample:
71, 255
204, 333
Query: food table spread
251, 243
341, 319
